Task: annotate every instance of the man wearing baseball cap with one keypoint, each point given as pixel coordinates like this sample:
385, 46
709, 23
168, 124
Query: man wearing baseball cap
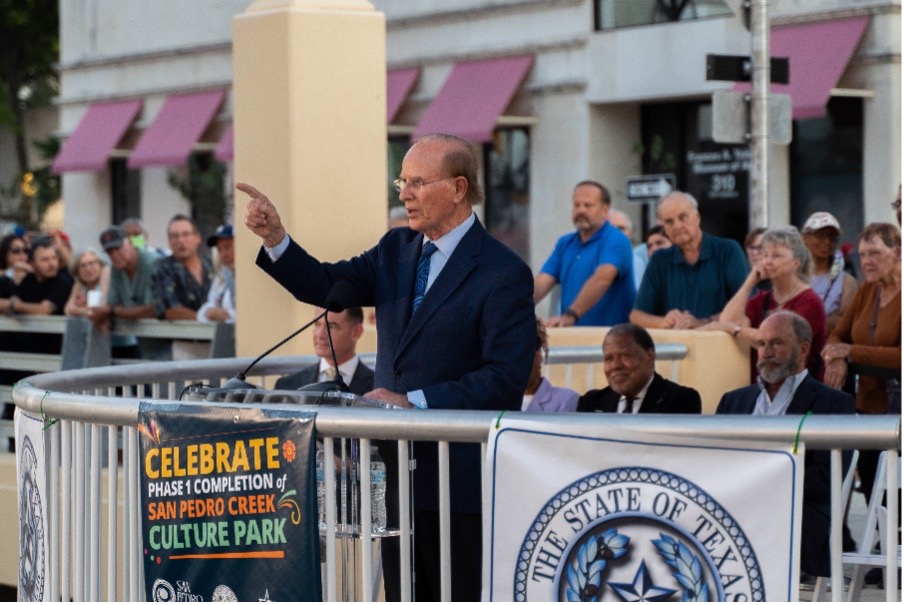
130, 295
822, 234
220, 305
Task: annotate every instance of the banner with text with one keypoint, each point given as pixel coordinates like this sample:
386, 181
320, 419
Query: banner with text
31, 476
589, 515
229, 507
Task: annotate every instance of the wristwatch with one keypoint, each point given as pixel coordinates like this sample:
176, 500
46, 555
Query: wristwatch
572, 314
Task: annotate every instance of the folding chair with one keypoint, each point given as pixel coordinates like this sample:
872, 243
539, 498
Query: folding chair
876, 518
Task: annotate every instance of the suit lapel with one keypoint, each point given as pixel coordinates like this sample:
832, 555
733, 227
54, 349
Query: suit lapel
408, 267
653, 398
802, 401
459, 265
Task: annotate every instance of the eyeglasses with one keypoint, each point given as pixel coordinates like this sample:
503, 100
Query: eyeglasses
88, 263
18, 250
416, 184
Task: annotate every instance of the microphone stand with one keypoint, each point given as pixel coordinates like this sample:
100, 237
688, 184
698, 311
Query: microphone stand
238, 381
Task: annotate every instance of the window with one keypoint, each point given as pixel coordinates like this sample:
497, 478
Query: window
826, 161
611, 14
125, 191
397, 148
507, 189
677, 139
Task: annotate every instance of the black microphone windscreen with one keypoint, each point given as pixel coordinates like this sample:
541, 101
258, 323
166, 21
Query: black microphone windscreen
339, 296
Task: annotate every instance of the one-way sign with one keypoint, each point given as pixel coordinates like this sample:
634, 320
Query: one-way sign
649, 187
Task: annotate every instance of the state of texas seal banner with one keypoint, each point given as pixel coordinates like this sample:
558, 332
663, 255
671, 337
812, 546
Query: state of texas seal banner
612, 515
228, 504
31, 475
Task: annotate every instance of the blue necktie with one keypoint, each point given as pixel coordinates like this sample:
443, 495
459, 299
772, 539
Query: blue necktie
423, 271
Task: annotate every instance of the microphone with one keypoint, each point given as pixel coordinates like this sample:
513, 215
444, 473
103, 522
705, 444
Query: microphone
335, 302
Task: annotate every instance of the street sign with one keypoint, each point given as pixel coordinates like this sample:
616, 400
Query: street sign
731, 121
738, 68
649, 187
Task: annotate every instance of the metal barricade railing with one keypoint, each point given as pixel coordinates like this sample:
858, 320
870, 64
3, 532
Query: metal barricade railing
94, 401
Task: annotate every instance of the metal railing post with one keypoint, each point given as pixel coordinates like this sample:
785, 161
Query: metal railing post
892, 468
835, 548
112, 505
445, 543
405, 534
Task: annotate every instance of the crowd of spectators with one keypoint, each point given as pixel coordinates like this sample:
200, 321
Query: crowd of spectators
819, 342
125, 278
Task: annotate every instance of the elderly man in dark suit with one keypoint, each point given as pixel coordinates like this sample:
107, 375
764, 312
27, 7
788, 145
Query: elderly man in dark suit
785, 387
455, 316
346, 329
629, 361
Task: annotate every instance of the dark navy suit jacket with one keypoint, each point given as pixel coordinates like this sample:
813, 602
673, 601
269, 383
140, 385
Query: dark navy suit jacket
813, 396
362, 380
469, 346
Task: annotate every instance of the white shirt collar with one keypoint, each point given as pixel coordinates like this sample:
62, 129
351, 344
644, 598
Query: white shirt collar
638, 399
346, 369
448, 242
778, 405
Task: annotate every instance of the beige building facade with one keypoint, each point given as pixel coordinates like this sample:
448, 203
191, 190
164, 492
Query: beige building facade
611, 89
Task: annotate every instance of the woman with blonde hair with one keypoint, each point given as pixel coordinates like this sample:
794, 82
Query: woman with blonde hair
786, 262
92, 278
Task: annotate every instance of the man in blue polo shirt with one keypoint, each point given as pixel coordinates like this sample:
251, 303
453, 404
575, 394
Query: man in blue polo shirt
686, 285
594, 265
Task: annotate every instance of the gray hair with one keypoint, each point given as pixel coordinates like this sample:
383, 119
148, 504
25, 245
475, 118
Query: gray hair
800, 326
460, 158
687, 197
790, 238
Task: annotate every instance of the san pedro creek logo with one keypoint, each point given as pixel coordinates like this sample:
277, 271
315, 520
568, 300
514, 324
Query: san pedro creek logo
636, 534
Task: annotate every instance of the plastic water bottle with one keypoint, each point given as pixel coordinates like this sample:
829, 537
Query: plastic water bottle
321, 491
377, 491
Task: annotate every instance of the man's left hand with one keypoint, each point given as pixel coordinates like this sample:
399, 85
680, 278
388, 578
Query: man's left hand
396, 399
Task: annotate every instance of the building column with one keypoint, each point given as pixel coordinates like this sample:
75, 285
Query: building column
310, 132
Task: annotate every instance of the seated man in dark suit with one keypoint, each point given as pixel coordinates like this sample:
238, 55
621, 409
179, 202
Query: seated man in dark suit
785, 387
629, 360
346, 329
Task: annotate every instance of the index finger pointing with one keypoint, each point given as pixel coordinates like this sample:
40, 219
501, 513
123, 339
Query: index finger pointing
246, 188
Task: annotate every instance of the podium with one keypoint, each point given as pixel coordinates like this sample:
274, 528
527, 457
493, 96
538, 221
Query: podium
349, 477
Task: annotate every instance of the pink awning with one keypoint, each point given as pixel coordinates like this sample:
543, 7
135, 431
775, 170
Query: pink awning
224, 152
178, 126
399, 83
97, 134
818, 54
473, 97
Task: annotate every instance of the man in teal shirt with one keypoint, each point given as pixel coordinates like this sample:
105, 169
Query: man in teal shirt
686, 285
130, 295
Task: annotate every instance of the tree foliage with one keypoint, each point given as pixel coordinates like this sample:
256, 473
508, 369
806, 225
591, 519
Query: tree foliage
29, 52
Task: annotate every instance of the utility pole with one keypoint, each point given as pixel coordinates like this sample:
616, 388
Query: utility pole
759, 123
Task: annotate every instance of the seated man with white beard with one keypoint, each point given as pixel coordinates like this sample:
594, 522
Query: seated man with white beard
785, 387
